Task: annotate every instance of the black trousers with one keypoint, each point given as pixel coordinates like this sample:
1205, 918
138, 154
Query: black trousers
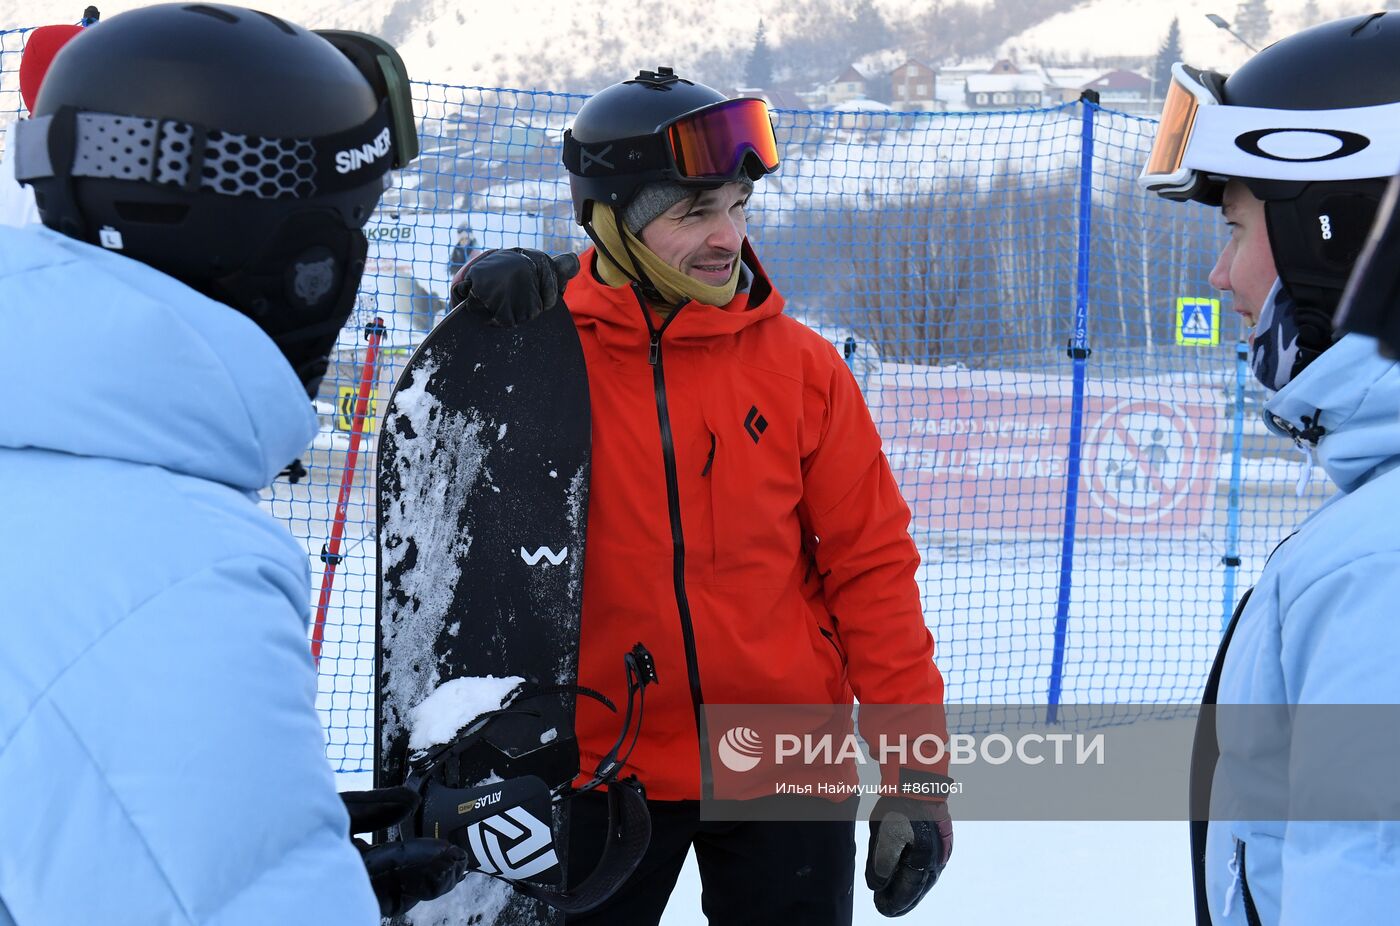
798, 873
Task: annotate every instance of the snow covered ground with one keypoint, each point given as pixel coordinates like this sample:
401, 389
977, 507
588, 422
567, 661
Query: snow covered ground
1045, 874
1038, 874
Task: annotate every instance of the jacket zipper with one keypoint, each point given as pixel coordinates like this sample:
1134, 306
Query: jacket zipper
673, 504
831, 638
1251, 912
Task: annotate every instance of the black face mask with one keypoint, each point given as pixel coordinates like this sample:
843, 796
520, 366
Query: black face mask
300, 288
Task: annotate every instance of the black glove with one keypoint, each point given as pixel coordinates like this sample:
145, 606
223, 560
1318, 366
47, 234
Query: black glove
910, 842
401, 873
512, 286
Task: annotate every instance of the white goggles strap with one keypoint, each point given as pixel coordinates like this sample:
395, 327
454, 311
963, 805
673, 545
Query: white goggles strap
1294, 144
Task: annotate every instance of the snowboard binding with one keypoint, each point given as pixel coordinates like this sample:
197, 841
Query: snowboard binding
505, 824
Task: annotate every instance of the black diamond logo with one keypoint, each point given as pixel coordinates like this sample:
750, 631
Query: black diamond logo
755, 423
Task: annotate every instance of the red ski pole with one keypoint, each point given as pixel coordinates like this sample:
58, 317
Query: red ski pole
330, 553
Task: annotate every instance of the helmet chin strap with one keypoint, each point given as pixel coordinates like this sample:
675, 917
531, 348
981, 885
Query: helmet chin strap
649, 289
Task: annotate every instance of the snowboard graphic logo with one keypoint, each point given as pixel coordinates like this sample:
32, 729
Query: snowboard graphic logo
514, 844
546, 553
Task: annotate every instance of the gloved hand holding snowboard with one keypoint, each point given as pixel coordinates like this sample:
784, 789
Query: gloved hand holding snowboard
512, 286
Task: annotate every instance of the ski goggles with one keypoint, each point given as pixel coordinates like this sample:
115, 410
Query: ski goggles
381, 65
195, 158
712, 144
1202, 140
715, 141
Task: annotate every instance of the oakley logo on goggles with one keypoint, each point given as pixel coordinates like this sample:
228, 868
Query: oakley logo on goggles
710, 144
1200, 137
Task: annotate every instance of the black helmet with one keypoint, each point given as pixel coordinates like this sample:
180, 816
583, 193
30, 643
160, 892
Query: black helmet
236, 152
1311, 125
661, 127
1371, 303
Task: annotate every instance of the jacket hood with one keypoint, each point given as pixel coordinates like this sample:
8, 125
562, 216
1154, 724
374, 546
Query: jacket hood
111, 358
1354, 394
614, 310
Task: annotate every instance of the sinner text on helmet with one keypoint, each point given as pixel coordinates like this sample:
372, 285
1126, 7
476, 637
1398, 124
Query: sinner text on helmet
355, 158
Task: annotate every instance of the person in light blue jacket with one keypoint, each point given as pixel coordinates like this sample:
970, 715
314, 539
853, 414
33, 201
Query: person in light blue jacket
161, 758
1294, 804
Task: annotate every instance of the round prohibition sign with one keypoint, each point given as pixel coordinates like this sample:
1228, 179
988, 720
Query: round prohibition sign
1142, 460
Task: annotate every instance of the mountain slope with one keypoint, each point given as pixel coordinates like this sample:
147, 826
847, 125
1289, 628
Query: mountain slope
1131, 28
555, 44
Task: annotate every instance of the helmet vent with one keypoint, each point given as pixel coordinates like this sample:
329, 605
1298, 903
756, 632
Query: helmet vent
213, 11
1366, 22
276, 22
152, 213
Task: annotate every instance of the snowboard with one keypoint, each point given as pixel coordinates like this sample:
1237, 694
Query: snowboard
482, 498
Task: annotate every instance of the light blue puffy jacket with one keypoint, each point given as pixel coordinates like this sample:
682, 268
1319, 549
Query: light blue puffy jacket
161, 760
1321, 627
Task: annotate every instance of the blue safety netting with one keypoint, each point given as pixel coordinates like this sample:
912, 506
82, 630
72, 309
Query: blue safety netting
1059, 390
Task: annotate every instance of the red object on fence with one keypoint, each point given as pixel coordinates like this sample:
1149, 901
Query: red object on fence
43, 43
330, 554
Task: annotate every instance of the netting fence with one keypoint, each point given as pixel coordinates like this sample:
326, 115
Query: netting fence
1061, 394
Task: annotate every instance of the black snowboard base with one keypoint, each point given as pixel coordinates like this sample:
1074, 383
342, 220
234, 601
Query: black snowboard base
482, 501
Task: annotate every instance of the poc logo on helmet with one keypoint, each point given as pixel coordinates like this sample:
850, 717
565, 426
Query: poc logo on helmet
355, 158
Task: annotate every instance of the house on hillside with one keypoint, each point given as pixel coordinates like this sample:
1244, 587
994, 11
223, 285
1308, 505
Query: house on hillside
851, 85
1066, 84
1004, 91
914, 87
1124, 90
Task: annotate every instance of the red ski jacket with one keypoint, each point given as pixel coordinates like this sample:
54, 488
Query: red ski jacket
724, 444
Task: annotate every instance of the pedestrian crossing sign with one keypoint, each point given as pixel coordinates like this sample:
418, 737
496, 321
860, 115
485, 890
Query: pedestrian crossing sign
1197, 321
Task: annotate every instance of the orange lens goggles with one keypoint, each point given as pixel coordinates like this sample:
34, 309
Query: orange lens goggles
713, 143
1166, 173
1174, 131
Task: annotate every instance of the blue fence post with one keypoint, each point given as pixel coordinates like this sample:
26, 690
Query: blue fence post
1079, 354
1231, 559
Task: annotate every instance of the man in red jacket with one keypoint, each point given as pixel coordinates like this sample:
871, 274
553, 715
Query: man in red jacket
742, 521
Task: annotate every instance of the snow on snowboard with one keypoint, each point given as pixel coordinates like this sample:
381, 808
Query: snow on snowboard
482, 501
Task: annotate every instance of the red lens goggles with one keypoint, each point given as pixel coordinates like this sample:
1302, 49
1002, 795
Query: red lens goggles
713, 143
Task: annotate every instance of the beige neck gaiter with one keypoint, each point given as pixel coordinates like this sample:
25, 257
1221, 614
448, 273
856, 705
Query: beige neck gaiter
617, 269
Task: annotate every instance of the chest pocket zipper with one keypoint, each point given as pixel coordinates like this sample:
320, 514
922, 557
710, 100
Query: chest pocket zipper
831, 638
709, 460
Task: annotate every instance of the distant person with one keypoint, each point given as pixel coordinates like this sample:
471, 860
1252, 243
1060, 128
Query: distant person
161, 757
1295, 147
462, 250
742, 518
